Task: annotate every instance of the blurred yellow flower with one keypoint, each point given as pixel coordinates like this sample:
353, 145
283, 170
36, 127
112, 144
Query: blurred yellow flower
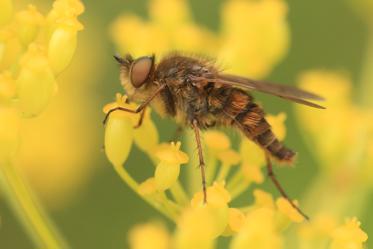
258, 231
162, 33
255, 35
348, 236
284, 207
216, 140
150, 235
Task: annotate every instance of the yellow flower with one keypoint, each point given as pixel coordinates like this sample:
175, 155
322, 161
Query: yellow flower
197, 228
36, 83
217, 196
251, 153
149, 236
7, 86
348, 236
161, 33
216, 140
257, 30
118, 133
62, 45
6, 11
170, 153
148, 187
277, 123
28, 23
320, 226
229, 157
263, 199
330, 140
284, 207
258, 231
235, 221
252, 173
168, 169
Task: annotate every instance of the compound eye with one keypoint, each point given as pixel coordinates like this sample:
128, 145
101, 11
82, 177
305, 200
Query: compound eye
140, 70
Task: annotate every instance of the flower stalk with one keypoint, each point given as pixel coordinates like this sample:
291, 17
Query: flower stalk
29, 211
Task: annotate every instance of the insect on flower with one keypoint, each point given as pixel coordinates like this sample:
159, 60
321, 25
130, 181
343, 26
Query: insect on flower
195, 93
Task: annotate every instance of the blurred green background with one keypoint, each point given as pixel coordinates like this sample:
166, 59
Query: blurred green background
324, 35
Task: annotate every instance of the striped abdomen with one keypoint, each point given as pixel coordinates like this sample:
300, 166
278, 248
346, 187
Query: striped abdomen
250, 119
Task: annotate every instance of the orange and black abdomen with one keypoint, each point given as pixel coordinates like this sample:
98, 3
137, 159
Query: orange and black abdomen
236, 107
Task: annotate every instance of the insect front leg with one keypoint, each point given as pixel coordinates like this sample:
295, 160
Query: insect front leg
139, 108
201, 160
139, 123
280, 188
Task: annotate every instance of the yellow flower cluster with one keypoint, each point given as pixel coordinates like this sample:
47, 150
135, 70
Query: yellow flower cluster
253, 38
34, 49
254, 50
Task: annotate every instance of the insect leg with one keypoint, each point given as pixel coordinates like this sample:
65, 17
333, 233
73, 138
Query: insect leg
139, 108
139, 123
279, 187
201, 160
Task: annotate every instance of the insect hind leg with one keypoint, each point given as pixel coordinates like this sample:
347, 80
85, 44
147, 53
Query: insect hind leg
280, 188
201, 159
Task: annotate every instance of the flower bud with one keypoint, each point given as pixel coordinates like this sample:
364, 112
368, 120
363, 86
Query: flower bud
62, 45
118, 138
28, 23
146, 136
6, 11
235, 221
7, 86
166, 175
35, 84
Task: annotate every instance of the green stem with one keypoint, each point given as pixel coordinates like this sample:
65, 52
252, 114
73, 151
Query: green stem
127, 178
223, 172
179, 194
235, 179
211, 165
239, 189
29, 211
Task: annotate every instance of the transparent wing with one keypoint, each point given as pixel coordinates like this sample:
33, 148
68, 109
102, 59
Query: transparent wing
286, 92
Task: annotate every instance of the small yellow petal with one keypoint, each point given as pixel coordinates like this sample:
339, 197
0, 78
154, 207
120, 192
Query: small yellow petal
252, 173
216, 140
277, 123
263, 199
171, 153
148, 187
284, 207
217, 195
235, 221
229, 157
